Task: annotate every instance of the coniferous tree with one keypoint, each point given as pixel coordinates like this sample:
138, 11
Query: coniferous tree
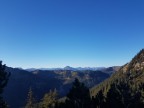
114, 98
30, 100
49, 100
4, 76
78, 96
99, 100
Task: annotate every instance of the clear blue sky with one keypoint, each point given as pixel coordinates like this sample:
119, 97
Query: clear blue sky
56, 33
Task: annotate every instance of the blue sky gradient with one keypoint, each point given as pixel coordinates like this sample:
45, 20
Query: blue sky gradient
56, 33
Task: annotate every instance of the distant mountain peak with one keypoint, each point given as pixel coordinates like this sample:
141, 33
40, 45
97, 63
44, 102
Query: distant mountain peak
69, 68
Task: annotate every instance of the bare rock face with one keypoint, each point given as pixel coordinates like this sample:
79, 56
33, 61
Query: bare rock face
136, 64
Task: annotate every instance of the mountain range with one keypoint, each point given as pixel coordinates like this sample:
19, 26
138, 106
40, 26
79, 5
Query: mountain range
113, 87
72, 68
41, 81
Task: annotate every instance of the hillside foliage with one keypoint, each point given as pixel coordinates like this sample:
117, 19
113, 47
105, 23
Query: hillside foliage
4, 76
125, 88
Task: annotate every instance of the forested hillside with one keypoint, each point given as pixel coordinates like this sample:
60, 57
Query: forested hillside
41, 82
125, 88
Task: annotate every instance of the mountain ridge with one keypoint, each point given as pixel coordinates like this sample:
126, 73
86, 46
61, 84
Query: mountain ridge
126, 85
41, 81
104, 69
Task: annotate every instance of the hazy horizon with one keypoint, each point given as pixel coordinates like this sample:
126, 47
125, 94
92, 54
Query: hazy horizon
47, 68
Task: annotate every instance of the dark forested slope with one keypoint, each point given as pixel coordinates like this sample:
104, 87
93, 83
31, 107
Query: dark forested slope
42, 81
125, 88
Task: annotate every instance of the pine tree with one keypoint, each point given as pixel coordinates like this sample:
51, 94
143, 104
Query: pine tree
78, 96
4, 76
30, 100
99, 100
114, 98
49, 100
